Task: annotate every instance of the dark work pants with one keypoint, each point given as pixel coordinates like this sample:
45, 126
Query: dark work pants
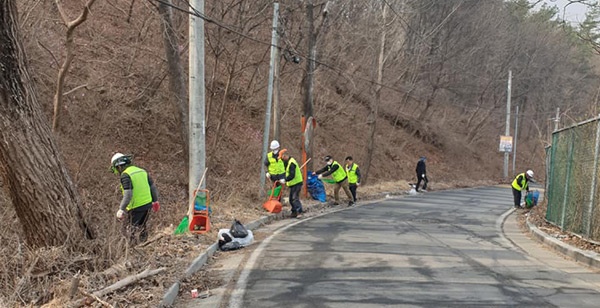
353, 188
295, 198
419, 179
517, 197
138, 218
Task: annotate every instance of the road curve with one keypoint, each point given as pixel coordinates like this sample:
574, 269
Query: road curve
439, 249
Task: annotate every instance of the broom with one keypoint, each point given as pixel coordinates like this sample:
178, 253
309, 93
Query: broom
185, 222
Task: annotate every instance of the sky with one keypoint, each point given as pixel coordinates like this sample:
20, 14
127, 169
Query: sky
575, 13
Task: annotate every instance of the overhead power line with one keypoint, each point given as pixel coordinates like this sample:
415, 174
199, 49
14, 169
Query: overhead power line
192, 11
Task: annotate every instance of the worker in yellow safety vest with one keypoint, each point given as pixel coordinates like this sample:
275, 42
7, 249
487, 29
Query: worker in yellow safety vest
338, 173
139, 196
353, 173
520, 183
275, 167
293, 180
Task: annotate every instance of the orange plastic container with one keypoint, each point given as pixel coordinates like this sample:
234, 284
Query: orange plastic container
272, 205
200, 223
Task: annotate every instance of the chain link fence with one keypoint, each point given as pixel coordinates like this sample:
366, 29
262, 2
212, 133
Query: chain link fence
572, 187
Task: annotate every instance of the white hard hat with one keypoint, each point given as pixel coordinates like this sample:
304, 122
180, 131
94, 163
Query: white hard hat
115, 158
530, 173
274, 145
120, 159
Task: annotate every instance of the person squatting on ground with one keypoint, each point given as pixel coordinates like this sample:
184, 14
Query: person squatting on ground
293, 180
338, 173
421, 174
139, 196
353, 173
274, 164
521, 182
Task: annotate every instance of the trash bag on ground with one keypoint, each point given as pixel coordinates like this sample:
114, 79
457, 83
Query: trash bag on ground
229, 242
238, 229
315, 187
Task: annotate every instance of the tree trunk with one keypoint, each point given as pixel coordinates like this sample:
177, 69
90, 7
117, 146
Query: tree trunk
372, 117
177, 76
309, 78
38, 185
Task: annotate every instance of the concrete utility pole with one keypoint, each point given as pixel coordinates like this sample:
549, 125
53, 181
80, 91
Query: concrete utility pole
275, 63
507, 132
515, 141
197, 122
269, 96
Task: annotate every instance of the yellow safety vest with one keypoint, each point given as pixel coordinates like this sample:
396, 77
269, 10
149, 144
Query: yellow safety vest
351, 171
298, 174
140, 185
339, 174
520, 186
275, 165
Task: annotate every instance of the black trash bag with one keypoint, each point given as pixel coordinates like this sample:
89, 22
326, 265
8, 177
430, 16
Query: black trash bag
226, 239
238, 230
231, 246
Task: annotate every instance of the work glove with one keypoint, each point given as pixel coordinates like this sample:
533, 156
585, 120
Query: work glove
120, 214
423, 175
320, 176
268, 175
358, 184
155, 206
282, 181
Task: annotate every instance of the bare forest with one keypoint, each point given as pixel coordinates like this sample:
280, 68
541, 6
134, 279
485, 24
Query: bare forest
386, 81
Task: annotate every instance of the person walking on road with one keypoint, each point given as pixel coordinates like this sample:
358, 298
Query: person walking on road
293, 180
520, 183
338, 173
421, 174
139, 196
353, 173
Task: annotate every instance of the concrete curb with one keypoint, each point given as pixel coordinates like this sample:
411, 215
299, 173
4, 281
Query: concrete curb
170, 296
589, 258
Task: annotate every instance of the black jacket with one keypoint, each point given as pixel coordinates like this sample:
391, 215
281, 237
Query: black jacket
421, 168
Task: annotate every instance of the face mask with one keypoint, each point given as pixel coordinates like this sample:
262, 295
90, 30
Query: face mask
329, 163
275, 151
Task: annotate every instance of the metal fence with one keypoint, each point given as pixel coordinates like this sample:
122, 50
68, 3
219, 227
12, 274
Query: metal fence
572, 186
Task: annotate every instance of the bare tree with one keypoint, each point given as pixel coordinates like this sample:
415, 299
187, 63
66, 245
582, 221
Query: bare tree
70, 46
372, 118
44, 197
177, 75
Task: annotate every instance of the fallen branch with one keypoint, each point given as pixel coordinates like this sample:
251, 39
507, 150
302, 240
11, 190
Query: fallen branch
129, 280
150, 241
96, 298
122, 283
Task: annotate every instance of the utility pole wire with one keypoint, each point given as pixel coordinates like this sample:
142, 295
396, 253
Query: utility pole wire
335, 69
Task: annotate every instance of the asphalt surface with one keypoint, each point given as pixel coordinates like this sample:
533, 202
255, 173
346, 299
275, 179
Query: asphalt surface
439, 249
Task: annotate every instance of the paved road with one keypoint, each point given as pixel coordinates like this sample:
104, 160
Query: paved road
440, 249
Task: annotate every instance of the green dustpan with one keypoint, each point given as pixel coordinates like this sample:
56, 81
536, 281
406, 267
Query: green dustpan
328, 181
183, 226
